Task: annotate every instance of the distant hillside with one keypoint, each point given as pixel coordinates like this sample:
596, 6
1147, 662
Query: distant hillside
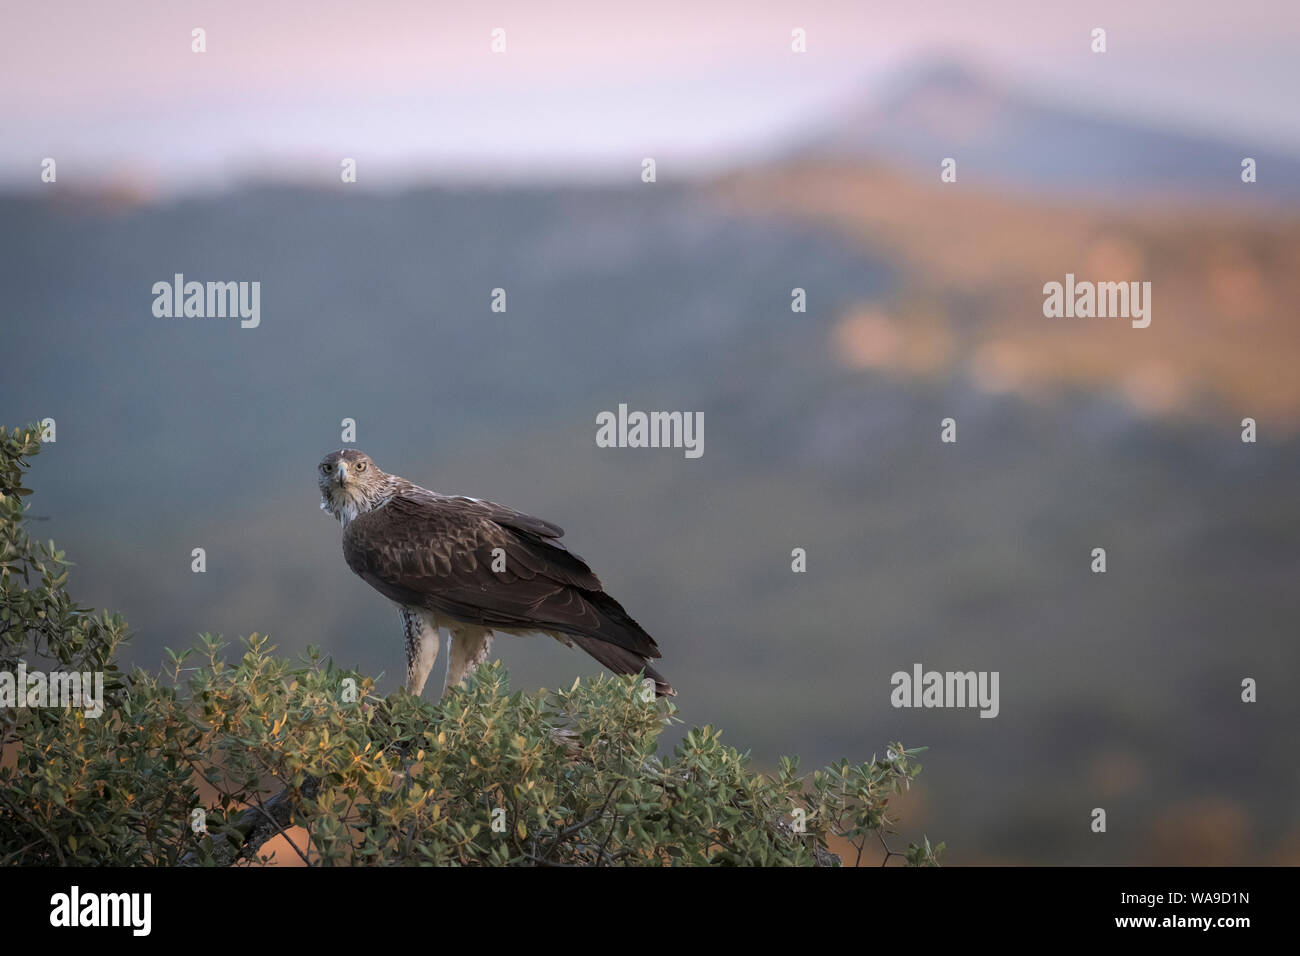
1003, 136
972, 264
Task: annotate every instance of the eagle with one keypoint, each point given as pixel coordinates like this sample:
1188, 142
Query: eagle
472, 568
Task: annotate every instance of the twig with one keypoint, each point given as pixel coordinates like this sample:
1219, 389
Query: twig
39, 829
288, 839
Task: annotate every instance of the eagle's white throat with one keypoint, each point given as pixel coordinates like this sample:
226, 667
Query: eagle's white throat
345, 502
344, 505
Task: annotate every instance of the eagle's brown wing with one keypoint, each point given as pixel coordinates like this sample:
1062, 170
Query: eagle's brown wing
436, 551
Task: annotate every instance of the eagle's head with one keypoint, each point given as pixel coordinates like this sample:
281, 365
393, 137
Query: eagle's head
350, 484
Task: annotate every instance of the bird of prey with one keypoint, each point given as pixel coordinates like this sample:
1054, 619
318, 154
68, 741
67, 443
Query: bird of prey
472, 568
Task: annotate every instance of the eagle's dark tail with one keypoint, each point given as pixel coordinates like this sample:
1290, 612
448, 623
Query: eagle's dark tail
622, 661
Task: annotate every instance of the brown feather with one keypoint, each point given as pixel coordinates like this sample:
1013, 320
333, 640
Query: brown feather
434, 551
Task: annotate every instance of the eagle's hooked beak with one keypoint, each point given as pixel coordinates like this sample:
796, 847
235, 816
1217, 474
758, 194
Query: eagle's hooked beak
341, 473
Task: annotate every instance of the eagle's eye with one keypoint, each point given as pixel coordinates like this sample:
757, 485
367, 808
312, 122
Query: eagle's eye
324, 469
361, 466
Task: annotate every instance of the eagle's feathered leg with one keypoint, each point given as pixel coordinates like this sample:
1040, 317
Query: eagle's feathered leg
469, 648
421, 633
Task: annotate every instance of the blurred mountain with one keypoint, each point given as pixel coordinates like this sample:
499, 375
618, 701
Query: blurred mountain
1001, 135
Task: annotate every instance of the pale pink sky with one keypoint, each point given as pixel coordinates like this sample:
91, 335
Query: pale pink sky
113, 89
